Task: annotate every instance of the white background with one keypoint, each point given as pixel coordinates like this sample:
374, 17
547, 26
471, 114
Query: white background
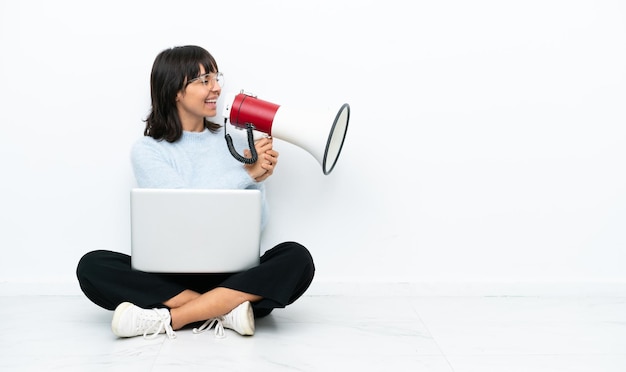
487, 140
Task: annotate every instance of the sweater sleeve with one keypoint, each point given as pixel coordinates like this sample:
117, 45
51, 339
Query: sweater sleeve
152, 169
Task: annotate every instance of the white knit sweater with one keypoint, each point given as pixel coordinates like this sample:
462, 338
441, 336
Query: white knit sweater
198, 160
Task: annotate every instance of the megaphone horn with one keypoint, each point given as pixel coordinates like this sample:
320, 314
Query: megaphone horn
308, 130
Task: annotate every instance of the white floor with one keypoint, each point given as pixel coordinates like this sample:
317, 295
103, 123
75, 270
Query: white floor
391, 332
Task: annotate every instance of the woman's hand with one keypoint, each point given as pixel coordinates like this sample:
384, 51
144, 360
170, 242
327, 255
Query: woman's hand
265, 164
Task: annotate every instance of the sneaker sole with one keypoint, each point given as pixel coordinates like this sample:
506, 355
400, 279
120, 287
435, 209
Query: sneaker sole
116, 318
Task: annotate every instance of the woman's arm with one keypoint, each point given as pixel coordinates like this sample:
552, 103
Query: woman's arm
152, 169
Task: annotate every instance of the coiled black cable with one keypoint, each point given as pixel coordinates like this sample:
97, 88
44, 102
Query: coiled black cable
233, 151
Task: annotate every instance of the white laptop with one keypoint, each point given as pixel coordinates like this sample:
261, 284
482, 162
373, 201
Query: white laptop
195, 231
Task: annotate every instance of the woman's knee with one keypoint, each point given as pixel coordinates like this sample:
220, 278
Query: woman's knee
302, 259
296, 250
305, 256
93, 262
86, 263
94, 271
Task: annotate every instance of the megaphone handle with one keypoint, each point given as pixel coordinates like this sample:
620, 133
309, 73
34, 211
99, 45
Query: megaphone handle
233, 152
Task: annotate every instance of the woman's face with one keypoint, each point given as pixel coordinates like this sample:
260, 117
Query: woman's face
198, 99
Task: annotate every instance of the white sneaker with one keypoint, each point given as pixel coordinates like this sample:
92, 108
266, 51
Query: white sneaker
130, 320
239, 319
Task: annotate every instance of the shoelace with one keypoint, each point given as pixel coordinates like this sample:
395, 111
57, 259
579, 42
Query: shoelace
163, 323
219, 327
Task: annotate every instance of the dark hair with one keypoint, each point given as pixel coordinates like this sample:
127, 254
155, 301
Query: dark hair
171, 69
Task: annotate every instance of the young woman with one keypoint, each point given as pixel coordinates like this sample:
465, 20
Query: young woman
182, 149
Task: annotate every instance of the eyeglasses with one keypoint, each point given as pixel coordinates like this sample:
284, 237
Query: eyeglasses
208, 80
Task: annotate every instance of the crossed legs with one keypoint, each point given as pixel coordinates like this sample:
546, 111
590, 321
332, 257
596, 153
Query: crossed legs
190, 306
